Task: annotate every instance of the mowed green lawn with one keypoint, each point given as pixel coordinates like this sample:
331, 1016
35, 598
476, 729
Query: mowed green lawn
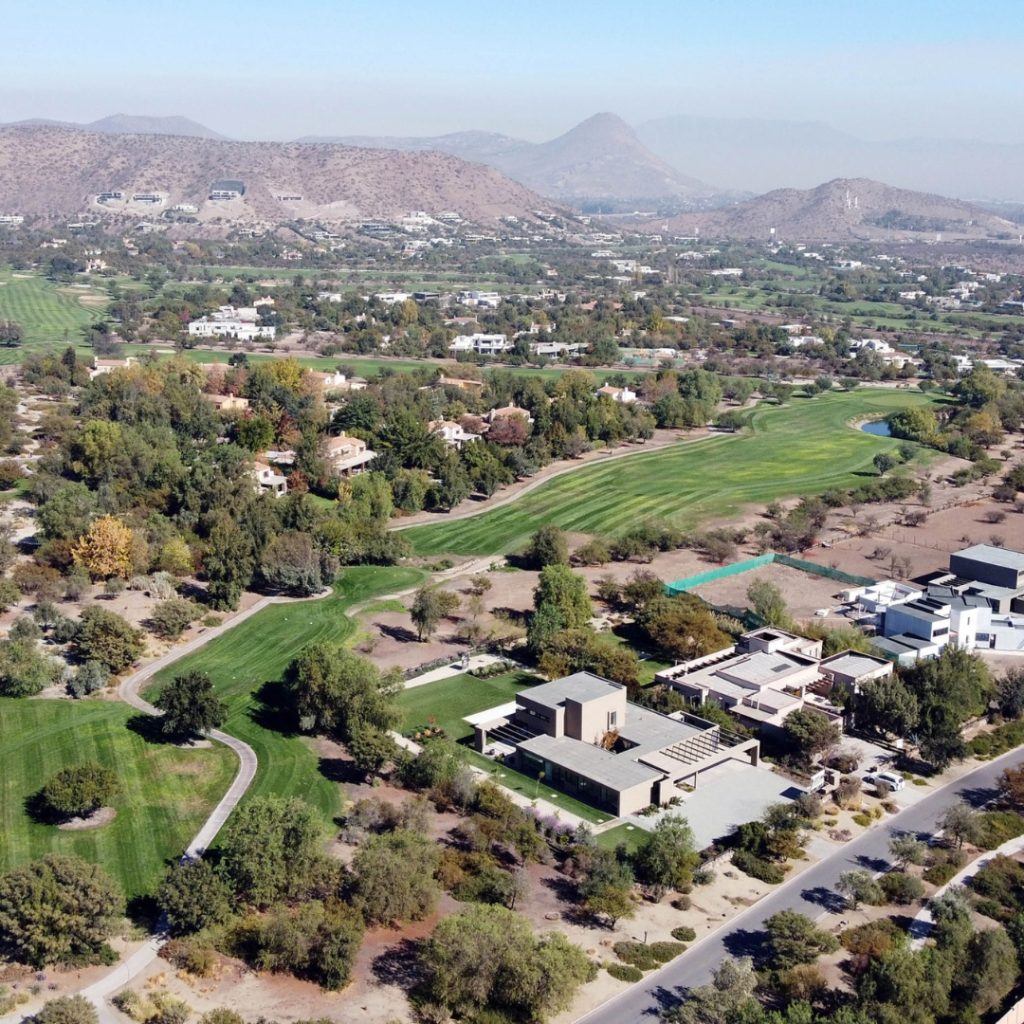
247, 665
801, 448
166, 792
448, 701
50, 316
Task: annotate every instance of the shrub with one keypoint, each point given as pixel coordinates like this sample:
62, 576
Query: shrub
684, 934
873, 938
901, 888
665, 951
862, 819
189, 955
624, 972
681, 903
79, 789
754, 866
997, 827
635, 954
940, 874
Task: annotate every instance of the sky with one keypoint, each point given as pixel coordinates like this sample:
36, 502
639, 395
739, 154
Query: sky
260, 70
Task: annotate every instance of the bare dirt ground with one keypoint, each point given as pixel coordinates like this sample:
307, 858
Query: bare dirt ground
805, 595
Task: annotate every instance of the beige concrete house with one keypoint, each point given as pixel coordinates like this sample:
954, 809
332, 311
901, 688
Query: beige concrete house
347, 455
582, 736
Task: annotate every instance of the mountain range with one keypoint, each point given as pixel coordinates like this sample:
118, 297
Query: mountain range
600, 159
129, 124
845, 209
59, 171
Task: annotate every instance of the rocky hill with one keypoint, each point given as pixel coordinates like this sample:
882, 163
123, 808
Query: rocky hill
845, 209
599, 159
55, 171
134, 124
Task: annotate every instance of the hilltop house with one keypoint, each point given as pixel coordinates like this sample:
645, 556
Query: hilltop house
347, 456
227, 188
582, 736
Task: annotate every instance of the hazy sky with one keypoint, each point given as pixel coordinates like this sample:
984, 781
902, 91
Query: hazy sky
256, 69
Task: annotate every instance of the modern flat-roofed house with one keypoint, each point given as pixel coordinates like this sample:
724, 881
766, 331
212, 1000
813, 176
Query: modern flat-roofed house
268, 480
462, 383
994, 573
481, 344
583, 737
767, 675
347, 455
227, 188
852, 669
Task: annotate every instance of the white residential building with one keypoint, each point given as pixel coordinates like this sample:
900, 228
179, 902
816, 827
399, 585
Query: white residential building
623, 395
268, 480
453, 434
228, 322
481, 344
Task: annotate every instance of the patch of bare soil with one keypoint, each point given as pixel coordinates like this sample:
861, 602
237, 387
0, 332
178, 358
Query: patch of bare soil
100, 817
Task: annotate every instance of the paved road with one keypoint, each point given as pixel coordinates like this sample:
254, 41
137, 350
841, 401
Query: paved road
808, 893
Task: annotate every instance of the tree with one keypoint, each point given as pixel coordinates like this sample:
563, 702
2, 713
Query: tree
105, 549
338, 692
960, 823
907, 849
10, 595
24, 669
80, 790
228, 563
270, 848
426, 612
169, 619
668, 857
88, 678
991, 970
887, 706
548, 546
487, 958
292, 563
1011, 787
607, 888
370, 748
65, 1010
859, 886
394, 877
560, 601
106, 637
642, 587
681, 627
730, 993
190, 706
810, 732
883, 462
899, 887
57, 910
194, 896
793, 939
1010, 693
768, 603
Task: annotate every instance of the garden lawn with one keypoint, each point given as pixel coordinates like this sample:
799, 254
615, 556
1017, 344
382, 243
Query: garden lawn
247, 665
446, 703
50, 316
802, 448
166, 792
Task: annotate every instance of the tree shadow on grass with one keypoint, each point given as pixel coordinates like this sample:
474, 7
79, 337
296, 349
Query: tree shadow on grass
144, 912
40, 811
399, 965
402, 634
274, 709
338, 769
150, 728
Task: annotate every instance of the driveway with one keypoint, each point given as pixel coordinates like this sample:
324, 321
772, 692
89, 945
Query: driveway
808, 893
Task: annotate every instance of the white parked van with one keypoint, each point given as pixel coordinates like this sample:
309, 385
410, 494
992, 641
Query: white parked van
893, 780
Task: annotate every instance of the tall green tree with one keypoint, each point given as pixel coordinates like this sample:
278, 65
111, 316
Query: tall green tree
190, 706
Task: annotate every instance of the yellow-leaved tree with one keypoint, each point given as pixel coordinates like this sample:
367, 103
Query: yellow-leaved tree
105, 549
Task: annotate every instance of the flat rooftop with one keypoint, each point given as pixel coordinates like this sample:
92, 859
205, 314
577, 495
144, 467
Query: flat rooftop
616, 771
853, 663
580, 686
1007, 558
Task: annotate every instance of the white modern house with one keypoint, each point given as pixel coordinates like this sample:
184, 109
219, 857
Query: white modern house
622, 395
453, 434
481, 344
229, 322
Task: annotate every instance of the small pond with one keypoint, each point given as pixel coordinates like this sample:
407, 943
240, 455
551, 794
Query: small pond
877, 427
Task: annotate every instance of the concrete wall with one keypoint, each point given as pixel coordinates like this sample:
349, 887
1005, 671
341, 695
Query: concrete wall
540, 717
588, 720
974, 569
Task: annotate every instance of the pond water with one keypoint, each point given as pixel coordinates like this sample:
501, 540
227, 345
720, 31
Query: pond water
877, 427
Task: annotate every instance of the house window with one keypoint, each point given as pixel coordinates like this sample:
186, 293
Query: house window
613, 719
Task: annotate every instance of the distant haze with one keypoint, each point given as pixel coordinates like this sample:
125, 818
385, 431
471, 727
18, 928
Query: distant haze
877, 71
